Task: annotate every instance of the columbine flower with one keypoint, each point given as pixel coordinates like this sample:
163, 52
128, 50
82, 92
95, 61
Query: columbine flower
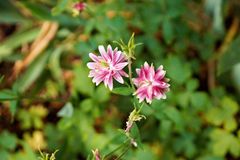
107, 66
150, 83
79, 6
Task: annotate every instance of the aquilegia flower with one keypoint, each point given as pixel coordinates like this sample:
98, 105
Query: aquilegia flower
80, 6
150, 83
107, 66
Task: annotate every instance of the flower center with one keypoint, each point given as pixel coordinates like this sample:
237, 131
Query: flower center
104, 64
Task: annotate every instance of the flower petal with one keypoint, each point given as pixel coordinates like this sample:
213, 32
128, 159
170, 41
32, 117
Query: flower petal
118, 78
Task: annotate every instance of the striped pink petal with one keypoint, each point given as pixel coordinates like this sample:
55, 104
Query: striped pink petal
150, 84
108, 66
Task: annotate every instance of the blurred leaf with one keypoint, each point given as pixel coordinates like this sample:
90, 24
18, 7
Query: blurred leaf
4, 154
135, 134
55, 68
7, 95
43, 13
16, 40
37, 10
236, 76
82, 82
168, 34
224, 115
25, 153
13, 107
199, 99
9, 13
60, 7
87, 105
177, 70
173, 114
192, 84
102, 94
230, 58
66, 111
8, 140
224, 142
32, 73
125, 91
215, 8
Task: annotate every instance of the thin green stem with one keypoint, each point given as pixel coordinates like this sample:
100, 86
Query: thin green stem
117, 148
130, 72
123, 153
140, 108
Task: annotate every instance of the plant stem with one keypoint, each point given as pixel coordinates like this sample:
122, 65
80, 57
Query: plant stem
123, 153
116, 149
140, 108
130, 72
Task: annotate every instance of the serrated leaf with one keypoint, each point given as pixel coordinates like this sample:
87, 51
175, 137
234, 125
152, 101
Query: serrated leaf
125, 91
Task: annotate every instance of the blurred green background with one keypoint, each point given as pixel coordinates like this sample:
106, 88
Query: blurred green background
49, 103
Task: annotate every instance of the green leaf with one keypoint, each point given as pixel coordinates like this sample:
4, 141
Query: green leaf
236, 76
32, 73
7, 94
223, 142
55, 68
199, 99
102, 94
8, 140
43, 13
168, 34
37, 10
178, 70
66, 111
87, 105
13, 107
82, 83
4, 154
230, 57
9, 13
192, 84
174, 115
16, 40
60, 7
125, 91
135, 134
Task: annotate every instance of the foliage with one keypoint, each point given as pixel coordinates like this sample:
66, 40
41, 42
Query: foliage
53, 104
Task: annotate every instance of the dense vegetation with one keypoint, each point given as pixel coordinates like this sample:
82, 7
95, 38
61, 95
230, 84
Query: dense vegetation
49, 103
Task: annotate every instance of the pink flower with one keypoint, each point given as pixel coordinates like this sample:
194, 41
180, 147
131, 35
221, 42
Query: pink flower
80, 6
107, 66
96, 154
150, 83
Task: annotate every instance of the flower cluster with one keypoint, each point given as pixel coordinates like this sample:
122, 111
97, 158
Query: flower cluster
150, 83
